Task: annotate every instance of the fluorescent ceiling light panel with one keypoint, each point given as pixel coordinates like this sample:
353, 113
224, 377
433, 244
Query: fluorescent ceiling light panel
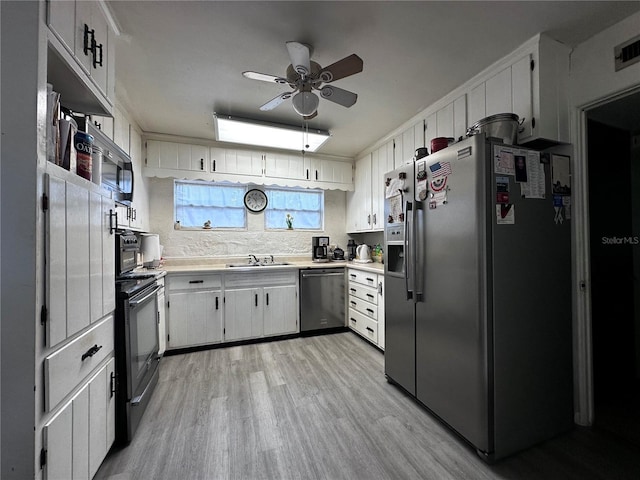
250, 132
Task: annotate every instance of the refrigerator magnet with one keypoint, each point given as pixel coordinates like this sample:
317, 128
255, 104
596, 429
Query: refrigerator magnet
502, 189
506, 214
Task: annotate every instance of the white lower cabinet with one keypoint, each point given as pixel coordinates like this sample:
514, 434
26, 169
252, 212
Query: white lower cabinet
260, 305
365, 315
280, 310
79, 435
194, 310
214, 308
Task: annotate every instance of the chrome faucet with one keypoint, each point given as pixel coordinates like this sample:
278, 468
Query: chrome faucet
255, 260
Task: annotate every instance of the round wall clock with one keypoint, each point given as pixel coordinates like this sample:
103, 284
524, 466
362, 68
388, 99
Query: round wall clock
255, 200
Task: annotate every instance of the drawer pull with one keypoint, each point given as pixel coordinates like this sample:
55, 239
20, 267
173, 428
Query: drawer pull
369, 295
353, 290
352, 275
353, 303
91, 352
353, 320
370, 329
370, 311
369, 279
196, 281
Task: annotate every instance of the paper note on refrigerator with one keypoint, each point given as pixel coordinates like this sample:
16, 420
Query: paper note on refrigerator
534, 187
503, 162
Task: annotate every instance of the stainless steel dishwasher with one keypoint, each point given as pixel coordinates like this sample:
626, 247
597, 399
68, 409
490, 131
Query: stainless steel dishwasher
322, 299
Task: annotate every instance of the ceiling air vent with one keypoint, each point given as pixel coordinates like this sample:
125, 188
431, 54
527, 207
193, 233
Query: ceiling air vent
627, 53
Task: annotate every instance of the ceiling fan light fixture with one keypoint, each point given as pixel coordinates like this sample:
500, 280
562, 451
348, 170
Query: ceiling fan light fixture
305, 103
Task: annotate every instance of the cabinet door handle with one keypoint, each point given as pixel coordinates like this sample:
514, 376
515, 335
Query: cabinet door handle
216, 303
196, 281
307, 174
267, 299
368, 219
256, 299
380, 288
214, 165
375, 219
112, 385
91, 352
97, 48
316, 175
111, 224
202, 164
86, 46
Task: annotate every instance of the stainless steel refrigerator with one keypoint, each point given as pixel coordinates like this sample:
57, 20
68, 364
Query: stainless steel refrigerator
478, 264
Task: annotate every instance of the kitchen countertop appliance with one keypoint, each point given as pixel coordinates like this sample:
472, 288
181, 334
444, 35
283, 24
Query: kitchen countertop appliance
351, 249
322, 299
320, 249
136, 337
338, 254
478, 263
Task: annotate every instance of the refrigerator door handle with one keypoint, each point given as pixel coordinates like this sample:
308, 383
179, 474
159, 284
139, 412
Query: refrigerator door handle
408, 246
418, 251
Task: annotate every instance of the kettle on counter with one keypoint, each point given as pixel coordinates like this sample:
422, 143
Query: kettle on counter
363, 252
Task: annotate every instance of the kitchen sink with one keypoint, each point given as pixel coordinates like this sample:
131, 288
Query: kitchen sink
269, 264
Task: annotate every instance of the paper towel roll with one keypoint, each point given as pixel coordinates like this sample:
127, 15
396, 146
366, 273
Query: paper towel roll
150, 250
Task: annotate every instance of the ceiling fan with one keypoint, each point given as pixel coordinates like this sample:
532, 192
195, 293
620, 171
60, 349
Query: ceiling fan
304, 76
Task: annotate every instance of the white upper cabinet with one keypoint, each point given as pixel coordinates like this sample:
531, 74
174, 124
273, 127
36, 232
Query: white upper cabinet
177, 156
532, 83
406, 143
330, 171
236, 161
83, 42
121, 131
365, 205
285, 165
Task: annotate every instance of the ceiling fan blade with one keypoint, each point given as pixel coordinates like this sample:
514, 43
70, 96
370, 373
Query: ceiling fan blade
264, 77
299, 54
338, 95
274, 102
342, 68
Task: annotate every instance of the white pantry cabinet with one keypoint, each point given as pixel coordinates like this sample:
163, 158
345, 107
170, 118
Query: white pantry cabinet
80, 254
77, 438
194, 309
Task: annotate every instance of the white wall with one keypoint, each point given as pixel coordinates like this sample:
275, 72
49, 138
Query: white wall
254, 240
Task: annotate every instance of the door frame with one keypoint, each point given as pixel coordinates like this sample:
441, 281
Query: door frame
581, 261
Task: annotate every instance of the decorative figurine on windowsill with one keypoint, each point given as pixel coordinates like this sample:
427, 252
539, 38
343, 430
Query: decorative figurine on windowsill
207, 225
289, 220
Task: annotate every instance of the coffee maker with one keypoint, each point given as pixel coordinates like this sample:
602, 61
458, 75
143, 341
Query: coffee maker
319, 248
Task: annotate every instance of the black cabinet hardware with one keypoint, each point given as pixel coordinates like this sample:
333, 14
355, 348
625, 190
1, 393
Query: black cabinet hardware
267, 299
370, 329
256, 299
353, 320
112, 385
196, 281
216, 303
91, 352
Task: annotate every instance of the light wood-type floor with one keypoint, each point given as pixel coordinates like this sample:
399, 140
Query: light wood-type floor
321, 408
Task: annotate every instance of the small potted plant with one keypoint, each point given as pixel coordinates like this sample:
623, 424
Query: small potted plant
289, 220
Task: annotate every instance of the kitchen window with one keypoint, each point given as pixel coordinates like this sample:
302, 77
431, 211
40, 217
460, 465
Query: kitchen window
197, 203
305, 206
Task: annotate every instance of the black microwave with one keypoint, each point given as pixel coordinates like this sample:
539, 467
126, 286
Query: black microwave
116, 167
117, 176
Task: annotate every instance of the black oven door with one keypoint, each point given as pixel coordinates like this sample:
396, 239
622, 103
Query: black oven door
142, 358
